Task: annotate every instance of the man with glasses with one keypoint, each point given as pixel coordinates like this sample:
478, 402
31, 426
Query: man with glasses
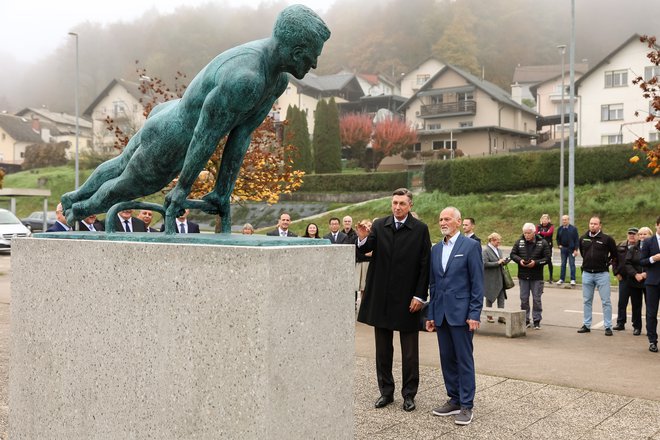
531, 253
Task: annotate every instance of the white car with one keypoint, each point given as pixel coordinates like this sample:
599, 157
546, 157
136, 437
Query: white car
10, 227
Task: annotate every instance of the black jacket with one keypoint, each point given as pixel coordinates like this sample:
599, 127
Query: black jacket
540, 253
597, 252
632, 266
621, 252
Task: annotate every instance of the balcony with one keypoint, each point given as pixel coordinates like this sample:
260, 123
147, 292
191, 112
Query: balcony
448, 109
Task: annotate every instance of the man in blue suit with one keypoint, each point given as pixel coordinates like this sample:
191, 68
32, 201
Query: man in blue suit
60, 225
457, 294
650, 258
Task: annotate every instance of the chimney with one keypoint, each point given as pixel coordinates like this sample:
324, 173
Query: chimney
36, 126
516, 93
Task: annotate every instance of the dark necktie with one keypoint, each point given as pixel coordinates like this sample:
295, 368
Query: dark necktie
91, 227
182, 228
398, 225
127, 228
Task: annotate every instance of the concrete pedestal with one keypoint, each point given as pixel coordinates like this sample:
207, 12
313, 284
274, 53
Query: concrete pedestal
125, 340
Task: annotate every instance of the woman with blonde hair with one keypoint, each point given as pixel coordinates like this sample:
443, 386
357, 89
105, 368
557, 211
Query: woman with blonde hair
493, 281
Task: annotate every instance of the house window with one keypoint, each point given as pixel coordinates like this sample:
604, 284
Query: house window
22, 154
653, 111
654, 136
616, 78
421, 79
465, 124
467, 96
437, 99
650, 72
446, 144
611, 112
118, 108
417, 147
434, 127
610, 139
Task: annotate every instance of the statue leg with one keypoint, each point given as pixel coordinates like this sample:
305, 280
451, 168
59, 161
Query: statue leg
103, 173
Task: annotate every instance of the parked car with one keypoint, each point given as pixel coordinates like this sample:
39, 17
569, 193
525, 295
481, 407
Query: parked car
10, 227
35, 221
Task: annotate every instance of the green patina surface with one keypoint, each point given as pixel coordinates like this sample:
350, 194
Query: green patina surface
230, 97
196, 239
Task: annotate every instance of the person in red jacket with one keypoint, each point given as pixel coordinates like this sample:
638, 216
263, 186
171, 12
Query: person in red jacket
545, 229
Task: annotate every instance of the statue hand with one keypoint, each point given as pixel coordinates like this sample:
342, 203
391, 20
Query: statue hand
174, 201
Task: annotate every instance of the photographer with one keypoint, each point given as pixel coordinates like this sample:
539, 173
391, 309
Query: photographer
531, 253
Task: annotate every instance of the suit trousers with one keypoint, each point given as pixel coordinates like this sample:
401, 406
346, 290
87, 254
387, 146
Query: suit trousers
652, 300
410, 360
628, 291
457, 363
536, 289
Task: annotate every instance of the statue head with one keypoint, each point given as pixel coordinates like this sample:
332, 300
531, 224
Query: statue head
301, 34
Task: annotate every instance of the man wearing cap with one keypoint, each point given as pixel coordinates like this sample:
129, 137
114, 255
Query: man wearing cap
625, 289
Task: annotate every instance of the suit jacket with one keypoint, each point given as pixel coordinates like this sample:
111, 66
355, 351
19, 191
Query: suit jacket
57, 227
97, 226
398, 271
276, 233
474, 237
493, 282
137, 225
457, 293
341, 237
649, 248
192, 227
150, 229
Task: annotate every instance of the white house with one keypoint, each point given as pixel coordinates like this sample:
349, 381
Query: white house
120, 100
412, 81
609, 99
16, 133
61, 127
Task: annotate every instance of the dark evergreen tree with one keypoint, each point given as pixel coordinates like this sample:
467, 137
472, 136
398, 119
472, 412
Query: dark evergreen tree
327, 144
296, 133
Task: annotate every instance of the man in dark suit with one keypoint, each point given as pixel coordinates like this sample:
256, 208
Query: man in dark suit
282, 229
60, 223
335, 235
457, 293
147, 215
183, 225
395, 292
90, 223
125, 222
650, 259
468, 229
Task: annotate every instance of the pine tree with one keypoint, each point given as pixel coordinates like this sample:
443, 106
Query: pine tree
327, 144
297, 134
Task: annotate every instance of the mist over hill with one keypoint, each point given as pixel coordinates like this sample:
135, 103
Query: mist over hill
388, 37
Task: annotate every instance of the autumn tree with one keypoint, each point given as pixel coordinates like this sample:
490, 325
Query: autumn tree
45, 155
327, 143
651, 91
296, 133
355, 132
391, 136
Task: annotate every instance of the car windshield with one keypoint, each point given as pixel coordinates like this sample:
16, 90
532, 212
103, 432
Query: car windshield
39, 215
7, 218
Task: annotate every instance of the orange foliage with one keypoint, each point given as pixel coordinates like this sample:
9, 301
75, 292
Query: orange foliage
391, 136
651, 91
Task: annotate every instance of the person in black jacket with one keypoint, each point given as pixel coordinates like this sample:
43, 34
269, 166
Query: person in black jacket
531, 253
598, 251
568, 241
622, 250
636, 274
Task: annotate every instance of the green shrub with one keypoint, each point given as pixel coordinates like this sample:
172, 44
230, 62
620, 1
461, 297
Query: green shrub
530, 170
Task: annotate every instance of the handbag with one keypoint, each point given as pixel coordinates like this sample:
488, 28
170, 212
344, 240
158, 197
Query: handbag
506, 276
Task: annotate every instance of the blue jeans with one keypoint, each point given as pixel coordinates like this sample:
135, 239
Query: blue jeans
591, 281
567, 253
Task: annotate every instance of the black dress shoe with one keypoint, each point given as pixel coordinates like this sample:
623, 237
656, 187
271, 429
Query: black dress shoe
619, 327
408, 404
383, 401
637, 332
584, 329
653, 347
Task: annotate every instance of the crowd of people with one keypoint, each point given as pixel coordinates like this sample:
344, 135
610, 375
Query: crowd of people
404, 284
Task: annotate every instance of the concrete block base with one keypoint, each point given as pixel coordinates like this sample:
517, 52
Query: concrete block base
123, 340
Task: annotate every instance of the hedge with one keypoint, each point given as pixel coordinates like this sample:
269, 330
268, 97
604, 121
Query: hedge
531, 170
354, 182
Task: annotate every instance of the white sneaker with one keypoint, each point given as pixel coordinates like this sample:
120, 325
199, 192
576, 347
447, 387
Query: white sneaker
560, 282
572, 282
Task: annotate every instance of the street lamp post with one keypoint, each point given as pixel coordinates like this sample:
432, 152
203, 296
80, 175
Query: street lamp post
77, 109
571, 119
562, 52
